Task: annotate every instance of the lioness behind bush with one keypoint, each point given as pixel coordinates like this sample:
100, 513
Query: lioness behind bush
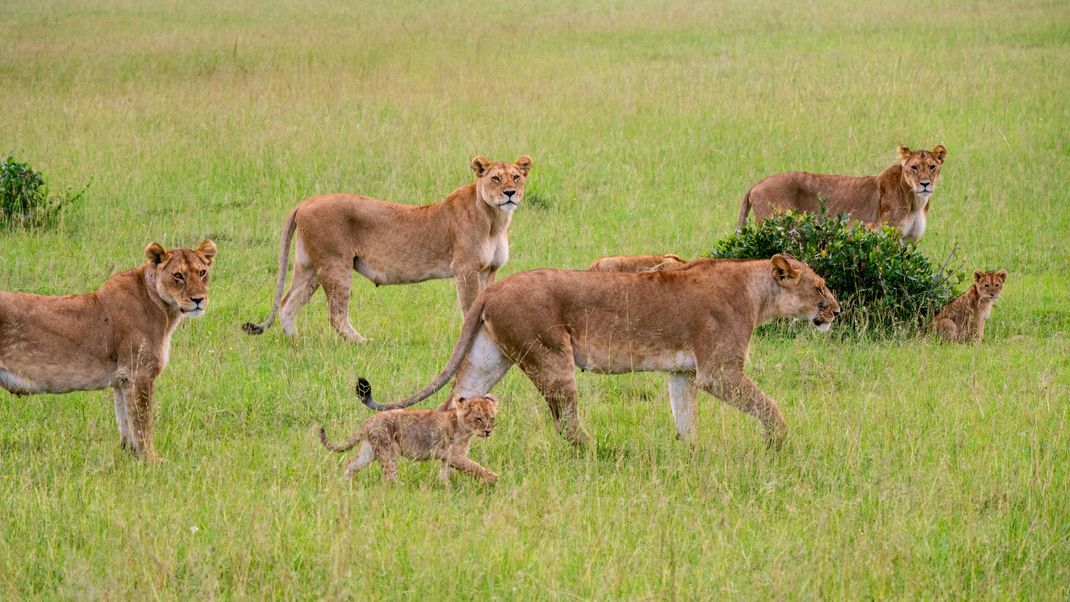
464, 237
118, 336
899, 196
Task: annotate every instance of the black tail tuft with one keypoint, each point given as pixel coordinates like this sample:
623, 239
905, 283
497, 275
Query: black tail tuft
364, 391
251, 328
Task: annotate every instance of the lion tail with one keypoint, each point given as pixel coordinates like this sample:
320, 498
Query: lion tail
744, 210
280, 283
347, 445
473, 320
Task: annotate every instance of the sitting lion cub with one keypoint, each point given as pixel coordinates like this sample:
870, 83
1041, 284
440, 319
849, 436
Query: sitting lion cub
638, 263
963, 320
444, 434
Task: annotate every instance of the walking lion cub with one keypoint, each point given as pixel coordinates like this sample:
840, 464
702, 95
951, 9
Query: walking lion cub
443, 434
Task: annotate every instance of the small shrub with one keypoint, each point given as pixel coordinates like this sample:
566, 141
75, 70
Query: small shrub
24, 198
884, 286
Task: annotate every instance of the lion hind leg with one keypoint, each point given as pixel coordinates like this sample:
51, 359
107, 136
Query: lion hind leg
484, 367
302, 288
365, 456
684, 407
554, 375
947, 330
336, 283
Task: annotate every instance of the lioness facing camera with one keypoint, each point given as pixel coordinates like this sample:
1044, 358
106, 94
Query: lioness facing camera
695, 323
464, 237
118, 336
899, 196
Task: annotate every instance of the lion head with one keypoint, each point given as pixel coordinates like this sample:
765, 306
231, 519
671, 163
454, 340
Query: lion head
803, 293
477, 414
921, 169
182, 276
989, 284
501, 185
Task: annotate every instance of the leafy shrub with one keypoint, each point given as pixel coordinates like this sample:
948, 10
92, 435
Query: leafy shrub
24, 198
883, 285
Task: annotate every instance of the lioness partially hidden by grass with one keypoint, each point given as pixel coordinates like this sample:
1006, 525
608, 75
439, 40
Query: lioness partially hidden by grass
118, 336
442, 434
638, 263
465, 237
694, 323
899, 196
963, 320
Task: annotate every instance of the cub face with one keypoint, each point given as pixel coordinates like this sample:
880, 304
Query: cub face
501, 185
182, 276
477, 414
805, 295
989, 284
921, 169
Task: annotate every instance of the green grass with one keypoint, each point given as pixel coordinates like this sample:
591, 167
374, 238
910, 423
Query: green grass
912, 470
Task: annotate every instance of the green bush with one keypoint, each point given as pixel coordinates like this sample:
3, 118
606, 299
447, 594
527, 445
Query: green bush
24, 198
884, 286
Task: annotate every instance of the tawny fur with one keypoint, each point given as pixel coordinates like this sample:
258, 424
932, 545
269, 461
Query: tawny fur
898, 196
638, 263
465, 237
963, 320
118, 336
695, 323
442, 434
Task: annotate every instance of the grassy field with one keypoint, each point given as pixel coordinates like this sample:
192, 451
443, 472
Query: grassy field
913, 469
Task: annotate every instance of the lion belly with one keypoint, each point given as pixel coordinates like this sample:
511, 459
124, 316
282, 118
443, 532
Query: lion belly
619, 359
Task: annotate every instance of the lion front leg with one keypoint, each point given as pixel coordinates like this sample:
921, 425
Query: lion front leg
730, 385
469, 285
684, 408
141, 392
471, 467
122, 419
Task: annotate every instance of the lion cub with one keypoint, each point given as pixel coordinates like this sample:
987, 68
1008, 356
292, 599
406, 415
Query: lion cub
443, 434
638, 263
963, 320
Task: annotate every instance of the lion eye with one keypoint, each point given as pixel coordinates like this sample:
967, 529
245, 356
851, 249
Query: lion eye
933, 166
179, 277
204, 273
516, 178
914, 167
496, 179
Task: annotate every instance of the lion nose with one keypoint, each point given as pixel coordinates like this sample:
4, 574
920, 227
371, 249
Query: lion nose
925, 183
509, 193
196, 300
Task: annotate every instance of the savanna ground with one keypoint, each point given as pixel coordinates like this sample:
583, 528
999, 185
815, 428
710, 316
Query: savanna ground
913, 469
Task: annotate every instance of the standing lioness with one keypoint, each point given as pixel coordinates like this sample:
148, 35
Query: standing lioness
695, 323
118, 336
899, 196
464, 237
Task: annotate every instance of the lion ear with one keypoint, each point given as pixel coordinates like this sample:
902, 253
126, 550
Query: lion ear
783, 272
1002, 275
978, 274
904, 154
480, 165
939, 153
156, 253
493, 402
206, 250
524, 164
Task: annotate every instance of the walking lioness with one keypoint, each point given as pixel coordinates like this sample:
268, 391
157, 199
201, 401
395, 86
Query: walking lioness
899, 196
695, 323
118, 336
464, 237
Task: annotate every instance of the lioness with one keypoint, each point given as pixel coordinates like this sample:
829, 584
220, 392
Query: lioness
963, 320
638, 263
465, 237
695, 323
118, 336
443, 434
899, 196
